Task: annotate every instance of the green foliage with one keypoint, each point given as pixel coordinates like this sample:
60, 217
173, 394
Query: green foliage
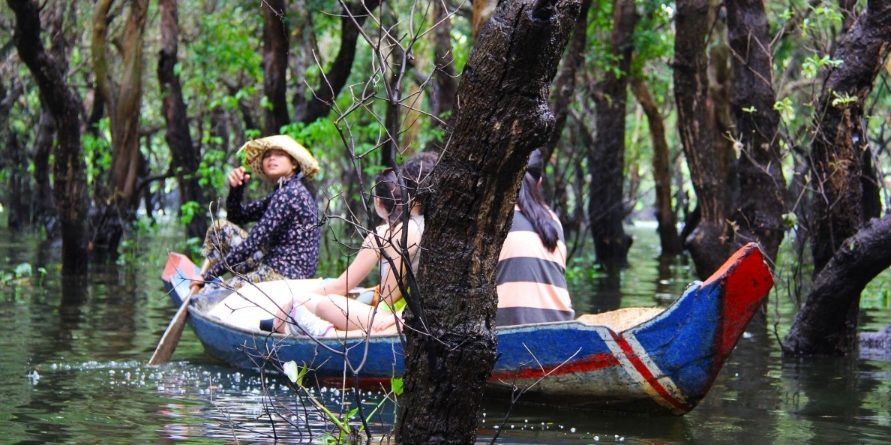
812, 65
97, 151
212, 171
843, 100
23, 274
188, 210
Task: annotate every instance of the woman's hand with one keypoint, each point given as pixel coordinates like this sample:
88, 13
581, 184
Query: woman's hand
196, 286
238, 177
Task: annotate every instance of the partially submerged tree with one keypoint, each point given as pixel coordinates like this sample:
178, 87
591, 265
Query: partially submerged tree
606, 157
827, 322
666, 217
123, 100
69, 188
845, 257
502, 116
708, 242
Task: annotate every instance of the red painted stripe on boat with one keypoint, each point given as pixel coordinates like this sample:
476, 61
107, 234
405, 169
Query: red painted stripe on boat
590, 363
647, 375
746, 285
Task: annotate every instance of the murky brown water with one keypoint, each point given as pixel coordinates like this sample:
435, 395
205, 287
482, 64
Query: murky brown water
72, 370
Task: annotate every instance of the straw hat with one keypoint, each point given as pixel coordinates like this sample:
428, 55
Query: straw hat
254, 150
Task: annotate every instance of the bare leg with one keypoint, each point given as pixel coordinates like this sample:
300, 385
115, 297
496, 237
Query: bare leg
347, 314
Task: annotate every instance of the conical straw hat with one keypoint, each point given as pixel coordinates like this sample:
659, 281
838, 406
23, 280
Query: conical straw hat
254, 150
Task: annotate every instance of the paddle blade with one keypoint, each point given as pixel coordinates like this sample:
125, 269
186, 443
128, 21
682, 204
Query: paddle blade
172, 335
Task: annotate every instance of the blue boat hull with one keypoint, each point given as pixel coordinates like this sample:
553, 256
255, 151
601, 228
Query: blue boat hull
666, 364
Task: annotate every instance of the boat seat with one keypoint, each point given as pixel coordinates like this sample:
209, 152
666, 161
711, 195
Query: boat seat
621, 319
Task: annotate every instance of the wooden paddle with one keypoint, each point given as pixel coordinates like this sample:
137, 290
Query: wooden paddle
174, 330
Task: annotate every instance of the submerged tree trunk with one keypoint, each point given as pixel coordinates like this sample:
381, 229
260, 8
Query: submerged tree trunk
827, 322
275, 64
123, 102
503, 116
844, 259
183, 153
606, 159
840, 176
68, 168
758, 213
14, 161
665, 215
707, 242
45, 210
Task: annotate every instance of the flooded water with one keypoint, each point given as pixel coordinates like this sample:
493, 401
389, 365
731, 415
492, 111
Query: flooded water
72, 370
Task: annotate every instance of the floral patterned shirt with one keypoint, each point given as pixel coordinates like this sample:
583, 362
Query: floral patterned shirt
287, 230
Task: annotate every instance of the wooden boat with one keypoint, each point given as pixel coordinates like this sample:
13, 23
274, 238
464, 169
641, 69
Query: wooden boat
663, 364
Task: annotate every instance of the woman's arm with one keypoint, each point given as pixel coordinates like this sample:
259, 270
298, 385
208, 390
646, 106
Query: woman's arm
239, 212
361, 266
278, 213
390, 291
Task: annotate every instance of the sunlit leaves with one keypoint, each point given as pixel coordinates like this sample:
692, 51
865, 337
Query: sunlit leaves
812, 65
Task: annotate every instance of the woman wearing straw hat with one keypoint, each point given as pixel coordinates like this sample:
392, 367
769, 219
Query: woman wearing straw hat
285, 241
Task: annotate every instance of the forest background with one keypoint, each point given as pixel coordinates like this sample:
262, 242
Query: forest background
726, 122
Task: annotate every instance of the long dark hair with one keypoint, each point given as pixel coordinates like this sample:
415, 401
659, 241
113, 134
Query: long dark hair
387, 189
532, 204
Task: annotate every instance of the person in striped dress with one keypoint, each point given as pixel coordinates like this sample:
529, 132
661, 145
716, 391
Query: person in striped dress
531, 270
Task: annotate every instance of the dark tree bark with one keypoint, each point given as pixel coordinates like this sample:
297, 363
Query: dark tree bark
335, 79
445, 82
398, 62
183, 153
68, 169
847, 9
45, 208
606, 158
758, 214
665, 215
564, 86
827, 323
503, 116
275, 64
843, 181
123, 102
706, 243
14, 162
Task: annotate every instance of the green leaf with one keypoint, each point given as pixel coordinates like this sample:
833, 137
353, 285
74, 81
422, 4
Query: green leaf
397, 384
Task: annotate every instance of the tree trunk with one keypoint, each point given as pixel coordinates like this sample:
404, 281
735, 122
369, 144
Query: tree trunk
184, 155
68, 169
123, 102
696, 129
15, 163
45, 210
758, 214
827, 322
444, 82
606, 158
665, 215
840, 176
849, 13
335, 78
450, 343
564, 86
275, 64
